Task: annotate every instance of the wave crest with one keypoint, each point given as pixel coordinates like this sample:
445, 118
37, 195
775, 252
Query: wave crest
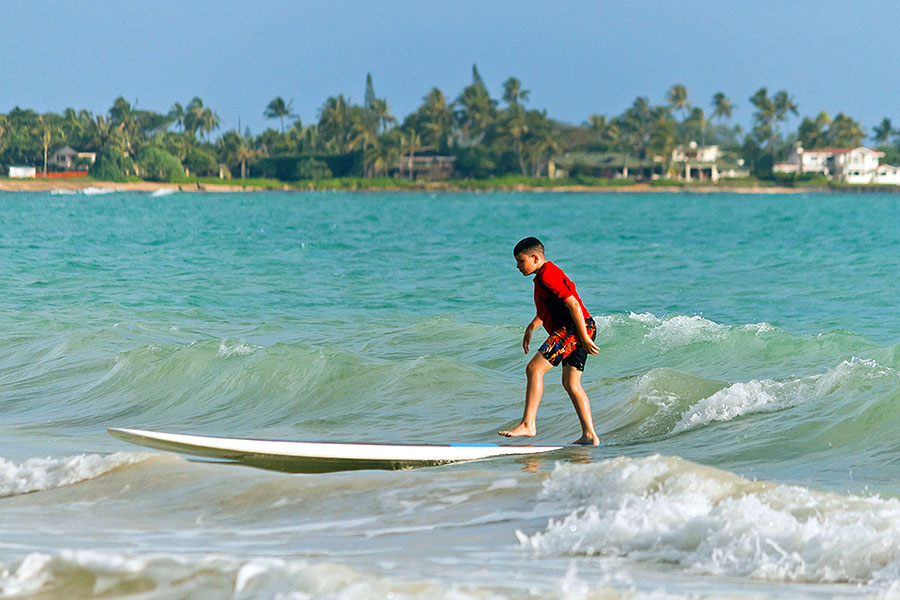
39, 474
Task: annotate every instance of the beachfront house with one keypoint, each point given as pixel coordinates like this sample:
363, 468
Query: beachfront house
887, 174
430, 167
68, 158
705, 163
846, 165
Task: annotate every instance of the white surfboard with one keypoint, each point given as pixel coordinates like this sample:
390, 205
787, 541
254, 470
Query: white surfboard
320, 457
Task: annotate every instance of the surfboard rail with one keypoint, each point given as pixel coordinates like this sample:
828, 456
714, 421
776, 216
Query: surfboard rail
320, 457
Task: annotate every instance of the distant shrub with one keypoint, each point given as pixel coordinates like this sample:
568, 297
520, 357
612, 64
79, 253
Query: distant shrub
112, 165
311, 168
201, 162
158, 165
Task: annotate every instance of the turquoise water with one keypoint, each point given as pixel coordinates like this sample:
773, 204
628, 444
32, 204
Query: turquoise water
747, 390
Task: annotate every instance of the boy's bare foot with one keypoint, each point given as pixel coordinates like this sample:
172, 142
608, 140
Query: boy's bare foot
519, 430
588, 440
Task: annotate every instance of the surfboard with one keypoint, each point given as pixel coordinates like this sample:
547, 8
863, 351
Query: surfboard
320, 457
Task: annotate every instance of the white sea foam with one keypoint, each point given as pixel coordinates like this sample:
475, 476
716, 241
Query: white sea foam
63, 192
162, 192
682, 330
708, 521
235, 347
758, 396
95, 191
38, 474
164, 576
28, 578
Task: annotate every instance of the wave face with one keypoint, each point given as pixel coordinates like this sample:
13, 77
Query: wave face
746, 390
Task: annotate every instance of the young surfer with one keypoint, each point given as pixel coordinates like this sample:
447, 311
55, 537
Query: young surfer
572, 331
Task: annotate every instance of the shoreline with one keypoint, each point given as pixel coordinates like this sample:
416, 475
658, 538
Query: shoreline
48, 185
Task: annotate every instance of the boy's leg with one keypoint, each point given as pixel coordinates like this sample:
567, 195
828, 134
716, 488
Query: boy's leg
571, 380
537, 367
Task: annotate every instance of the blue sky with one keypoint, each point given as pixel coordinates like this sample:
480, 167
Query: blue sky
577, 58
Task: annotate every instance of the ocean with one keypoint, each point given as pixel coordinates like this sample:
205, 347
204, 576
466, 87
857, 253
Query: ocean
747, 392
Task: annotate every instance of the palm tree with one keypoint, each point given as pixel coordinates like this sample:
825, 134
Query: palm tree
207, 121
514, 128
178, 113
410, 142
4, 126
722, 106
123, 115
333, 122
845, 132
812, 133
765, 117
383, 154
541, 142
784, 104
678, 98
383, 114
696, 123
478, 110
47, 130
438, 118
279, 109
513, 92
883, 132
192, 116
363, 132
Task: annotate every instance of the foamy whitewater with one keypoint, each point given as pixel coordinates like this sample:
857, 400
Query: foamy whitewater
747, 393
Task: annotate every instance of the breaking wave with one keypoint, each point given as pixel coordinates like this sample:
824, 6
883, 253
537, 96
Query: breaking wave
39, 474
709, 521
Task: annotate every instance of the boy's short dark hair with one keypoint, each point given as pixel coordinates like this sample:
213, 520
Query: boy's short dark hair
527, 245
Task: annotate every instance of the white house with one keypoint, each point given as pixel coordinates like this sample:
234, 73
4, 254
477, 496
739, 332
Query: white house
705, 163
849, 165
887, 174
696, 161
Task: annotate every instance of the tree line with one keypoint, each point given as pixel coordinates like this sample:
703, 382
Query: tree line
488, 136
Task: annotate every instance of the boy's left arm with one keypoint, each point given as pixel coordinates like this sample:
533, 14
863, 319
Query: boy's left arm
583, 338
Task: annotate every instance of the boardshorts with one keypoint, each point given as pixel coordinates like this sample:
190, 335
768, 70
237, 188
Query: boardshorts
562, 346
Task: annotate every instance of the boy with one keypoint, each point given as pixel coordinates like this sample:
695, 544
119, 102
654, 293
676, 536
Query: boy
571, 330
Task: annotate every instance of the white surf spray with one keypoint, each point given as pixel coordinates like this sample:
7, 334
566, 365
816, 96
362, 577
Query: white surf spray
712, 522
38, 474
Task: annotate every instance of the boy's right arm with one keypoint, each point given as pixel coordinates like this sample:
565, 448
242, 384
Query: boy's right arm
526, 340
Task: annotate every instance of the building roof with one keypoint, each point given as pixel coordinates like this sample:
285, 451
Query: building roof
840, 150
67, 150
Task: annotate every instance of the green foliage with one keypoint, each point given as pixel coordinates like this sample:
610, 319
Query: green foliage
801, 179
158, 165
112, 165
201, 161
493, 143
311, 168
891, 155
475, 161
287, 168
668, 183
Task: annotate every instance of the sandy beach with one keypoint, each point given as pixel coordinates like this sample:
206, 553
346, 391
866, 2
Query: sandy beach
45, 185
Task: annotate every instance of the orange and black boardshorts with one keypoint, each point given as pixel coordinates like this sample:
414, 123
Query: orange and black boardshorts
562, 346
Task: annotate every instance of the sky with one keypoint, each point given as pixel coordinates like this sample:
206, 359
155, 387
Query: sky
576, 58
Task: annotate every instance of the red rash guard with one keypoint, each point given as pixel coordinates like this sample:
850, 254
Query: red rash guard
551, 288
